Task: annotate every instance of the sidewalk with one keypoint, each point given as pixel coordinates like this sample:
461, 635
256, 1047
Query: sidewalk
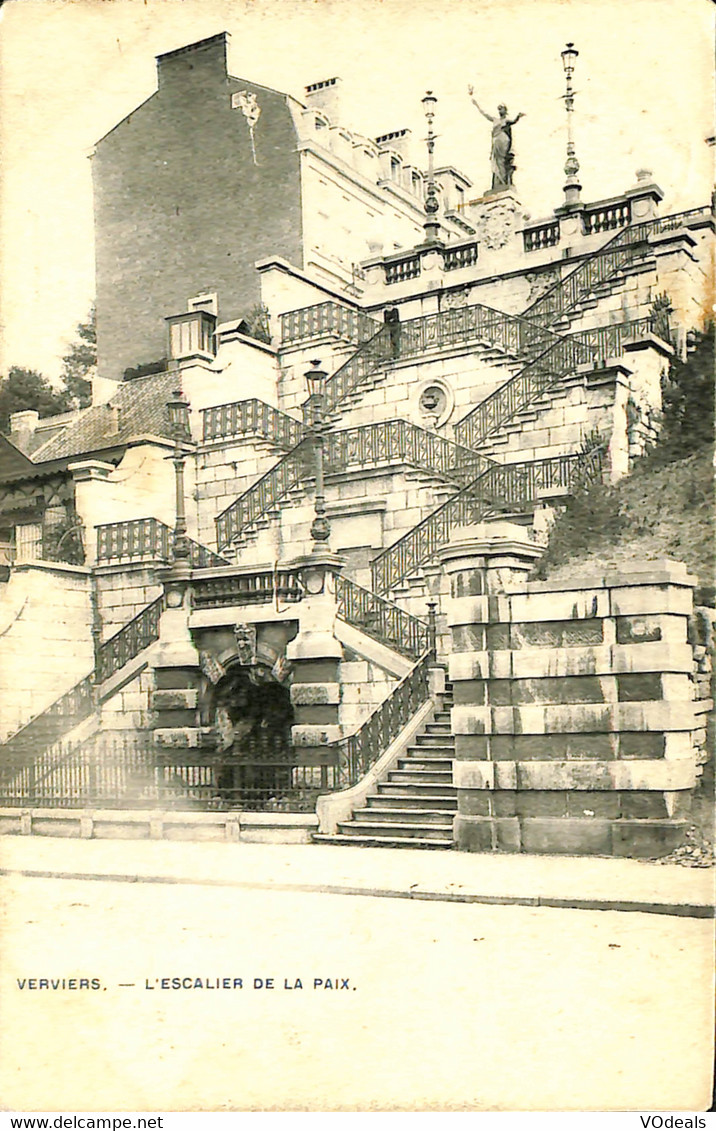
594, 883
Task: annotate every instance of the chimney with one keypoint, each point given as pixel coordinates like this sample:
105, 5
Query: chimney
399, 140
22, 427
326, 97
194, 62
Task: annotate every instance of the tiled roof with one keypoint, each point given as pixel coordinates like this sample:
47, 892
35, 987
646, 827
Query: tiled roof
137, 408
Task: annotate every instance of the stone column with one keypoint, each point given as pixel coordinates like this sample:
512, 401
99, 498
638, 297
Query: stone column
676, 269
94, 496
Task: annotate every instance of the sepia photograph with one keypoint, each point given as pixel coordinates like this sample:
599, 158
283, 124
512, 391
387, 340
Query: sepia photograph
357, 588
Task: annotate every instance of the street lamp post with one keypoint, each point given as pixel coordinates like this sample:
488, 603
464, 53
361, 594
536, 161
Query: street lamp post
178, 409
572, 187
320, 527
431, 225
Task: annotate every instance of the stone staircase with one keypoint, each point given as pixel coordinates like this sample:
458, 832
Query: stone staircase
415, 803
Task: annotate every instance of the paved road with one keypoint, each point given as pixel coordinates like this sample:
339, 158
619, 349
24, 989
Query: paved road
447, 1005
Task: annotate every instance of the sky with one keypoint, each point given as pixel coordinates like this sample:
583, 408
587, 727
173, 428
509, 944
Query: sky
71, 69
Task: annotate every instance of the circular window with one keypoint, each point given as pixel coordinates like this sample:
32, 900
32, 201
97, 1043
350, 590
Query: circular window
434, 404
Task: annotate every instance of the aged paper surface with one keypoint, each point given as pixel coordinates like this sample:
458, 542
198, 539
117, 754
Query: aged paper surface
402, 1005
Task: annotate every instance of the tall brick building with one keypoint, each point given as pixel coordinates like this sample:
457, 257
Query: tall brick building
283, 616
212, 174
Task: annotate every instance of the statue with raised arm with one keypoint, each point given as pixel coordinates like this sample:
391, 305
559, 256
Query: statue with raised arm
501, 155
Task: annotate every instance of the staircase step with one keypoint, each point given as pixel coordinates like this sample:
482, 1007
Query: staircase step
382, 841
443, 746
394, 829
405, 800
418, 776
409, 816
420, 788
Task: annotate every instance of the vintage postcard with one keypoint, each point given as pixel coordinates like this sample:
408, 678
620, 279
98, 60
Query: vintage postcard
357, 594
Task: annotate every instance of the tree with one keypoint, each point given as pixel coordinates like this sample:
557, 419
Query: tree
688, 401
80, 362
27, 389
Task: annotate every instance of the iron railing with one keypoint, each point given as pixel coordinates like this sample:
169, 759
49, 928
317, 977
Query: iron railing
560, 357
360, 750
616, 253
131, 639
388, 441
257, 588
326, 318
78, 703
391, 441
505, 487
368, 360
381, 619
127, 771
252, 417
264, 494
141, 538
65, 713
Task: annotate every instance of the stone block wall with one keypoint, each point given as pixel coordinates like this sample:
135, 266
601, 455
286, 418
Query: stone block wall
122, 592
45, 639
130, 707
574, 719
364, 686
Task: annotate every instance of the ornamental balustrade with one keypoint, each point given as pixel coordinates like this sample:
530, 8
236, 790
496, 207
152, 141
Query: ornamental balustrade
456, 257
147, 538
389, 441
359, 751
78, 703
607, 217
504, 487
541, 236
392, 441
252, 417
617, 253
368, 360
326, 318
400, 270
381, 619
257, 587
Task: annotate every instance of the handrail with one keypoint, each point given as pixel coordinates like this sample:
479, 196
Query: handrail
600, 265
263, 494
357, 752
131, 639
326, 318
381, 619
76, 704
502, 486
519, 391
138, 538
239, 418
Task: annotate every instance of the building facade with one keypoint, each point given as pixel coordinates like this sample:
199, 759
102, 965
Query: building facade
290, 540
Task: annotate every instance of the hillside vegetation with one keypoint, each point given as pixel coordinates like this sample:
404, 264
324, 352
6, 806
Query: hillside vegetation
665, 508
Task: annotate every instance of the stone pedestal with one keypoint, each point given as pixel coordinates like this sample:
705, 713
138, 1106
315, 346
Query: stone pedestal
499, 218
574, 721
315, 654
177, 672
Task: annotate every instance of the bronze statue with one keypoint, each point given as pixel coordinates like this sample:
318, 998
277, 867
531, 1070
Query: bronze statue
501, 155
